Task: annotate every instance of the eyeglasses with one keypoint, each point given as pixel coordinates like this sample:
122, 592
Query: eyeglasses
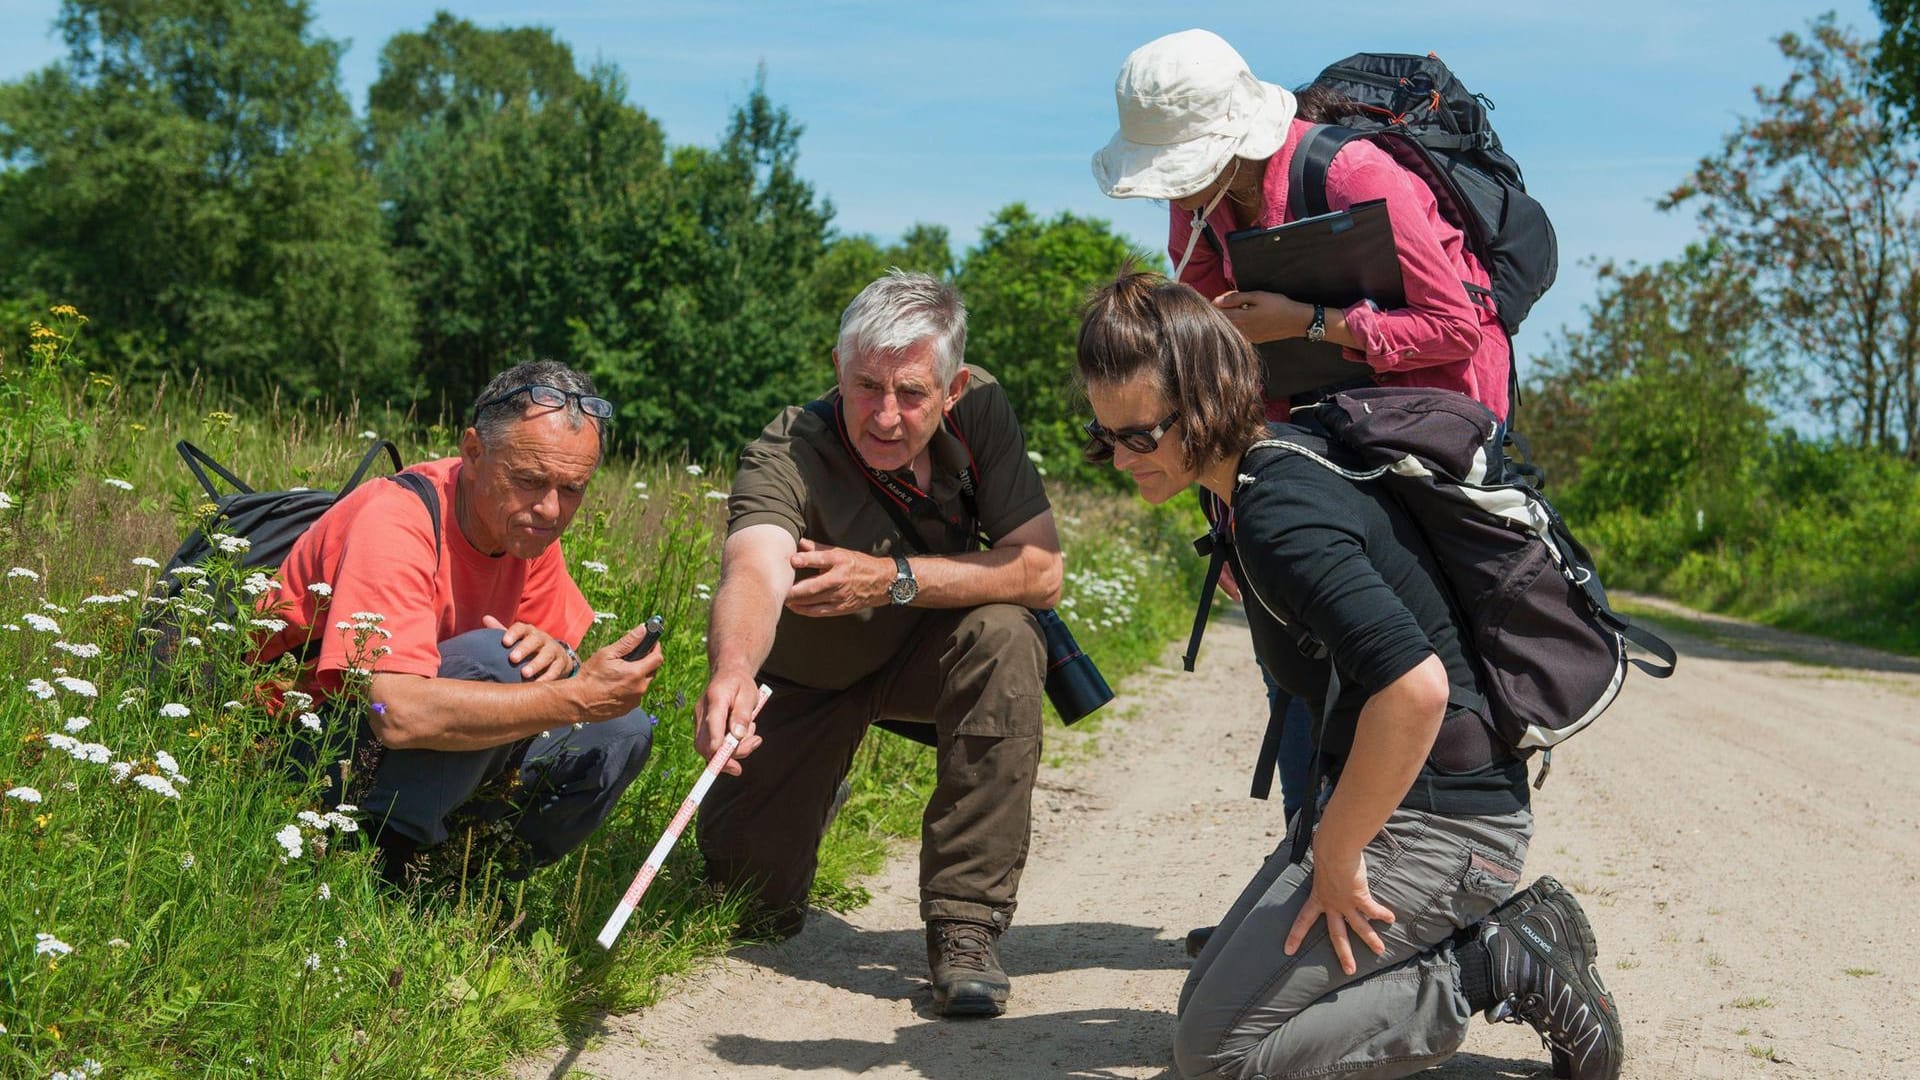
1138, 440
551, 397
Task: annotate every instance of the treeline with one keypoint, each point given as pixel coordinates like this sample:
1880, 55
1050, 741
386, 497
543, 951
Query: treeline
1739, 426
193, 178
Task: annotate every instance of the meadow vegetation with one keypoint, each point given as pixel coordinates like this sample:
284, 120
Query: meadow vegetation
179, 902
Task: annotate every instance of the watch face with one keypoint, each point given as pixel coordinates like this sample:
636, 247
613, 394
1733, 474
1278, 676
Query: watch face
903, 590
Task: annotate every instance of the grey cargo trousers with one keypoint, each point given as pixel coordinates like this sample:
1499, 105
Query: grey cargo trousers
1251, 1012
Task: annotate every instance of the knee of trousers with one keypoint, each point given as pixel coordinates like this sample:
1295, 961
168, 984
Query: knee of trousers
477, 656
1000, 646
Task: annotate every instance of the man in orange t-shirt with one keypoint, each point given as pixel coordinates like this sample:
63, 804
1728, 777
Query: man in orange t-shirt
463, 619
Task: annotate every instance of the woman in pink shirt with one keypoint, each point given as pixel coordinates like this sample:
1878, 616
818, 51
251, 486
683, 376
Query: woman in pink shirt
1200, 131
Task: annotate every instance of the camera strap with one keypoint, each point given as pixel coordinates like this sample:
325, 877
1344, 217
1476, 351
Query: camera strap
902, 501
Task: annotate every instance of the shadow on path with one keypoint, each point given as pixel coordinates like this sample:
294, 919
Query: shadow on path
891, 964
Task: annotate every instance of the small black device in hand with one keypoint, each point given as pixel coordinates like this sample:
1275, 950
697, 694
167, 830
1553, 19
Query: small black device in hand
655, 624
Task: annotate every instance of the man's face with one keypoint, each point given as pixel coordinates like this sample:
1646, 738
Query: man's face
522, 493
894, 403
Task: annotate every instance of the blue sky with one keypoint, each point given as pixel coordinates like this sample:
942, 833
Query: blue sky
944, 113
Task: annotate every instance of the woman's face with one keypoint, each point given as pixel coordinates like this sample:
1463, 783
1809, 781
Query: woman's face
1138, 405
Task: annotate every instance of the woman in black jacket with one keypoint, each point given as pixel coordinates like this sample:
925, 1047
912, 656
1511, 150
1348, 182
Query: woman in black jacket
1421, 836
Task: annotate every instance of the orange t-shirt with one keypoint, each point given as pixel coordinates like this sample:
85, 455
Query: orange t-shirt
375, 550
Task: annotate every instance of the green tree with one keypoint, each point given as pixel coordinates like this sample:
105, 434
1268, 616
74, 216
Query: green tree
1025, 283
187, 176
454, 70
1660, 393
1814, 196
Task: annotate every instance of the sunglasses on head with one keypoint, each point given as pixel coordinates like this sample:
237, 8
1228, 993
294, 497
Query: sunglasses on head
551, 397
1138, 440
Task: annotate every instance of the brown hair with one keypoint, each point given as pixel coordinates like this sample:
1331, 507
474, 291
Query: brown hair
1142, 323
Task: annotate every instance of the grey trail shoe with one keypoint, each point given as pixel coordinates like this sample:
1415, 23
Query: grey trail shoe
967, 979
1544, 974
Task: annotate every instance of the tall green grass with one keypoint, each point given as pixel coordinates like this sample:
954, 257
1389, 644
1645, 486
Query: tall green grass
154, 925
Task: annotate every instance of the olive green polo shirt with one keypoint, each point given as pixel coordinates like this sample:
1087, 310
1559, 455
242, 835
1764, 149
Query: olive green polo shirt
800, 476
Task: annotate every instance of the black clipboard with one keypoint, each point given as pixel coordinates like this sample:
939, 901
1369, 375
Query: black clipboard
1336, 259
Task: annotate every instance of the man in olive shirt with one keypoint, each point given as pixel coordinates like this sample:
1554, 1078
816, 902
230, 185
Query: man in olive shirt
851, 584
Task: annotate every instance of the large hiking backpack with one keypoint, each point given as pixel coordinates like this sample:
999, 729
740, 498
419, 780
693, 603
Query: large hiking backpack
269, 522
1414, 108
1552, 653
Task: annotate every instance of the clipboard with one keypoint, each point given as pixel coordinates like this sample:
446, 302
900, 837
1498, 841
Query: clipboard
1335, 259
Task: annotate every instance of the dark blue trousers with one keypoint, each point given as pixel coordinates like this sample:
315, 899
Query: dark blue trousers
555, 787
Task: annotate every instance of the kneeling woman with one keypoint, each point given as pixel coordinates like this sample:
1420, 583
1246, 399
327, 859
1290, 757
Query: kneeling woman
1405, 902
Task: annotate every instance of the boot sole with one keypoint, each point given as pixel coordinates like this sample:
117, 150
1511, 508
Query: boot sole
971, 1001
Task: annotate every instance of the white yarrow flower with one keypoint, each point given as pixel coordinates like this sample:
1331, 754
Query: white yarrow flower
40, 688
76, 724
320, 588
23, 572
146, 562
24, 794
186, 861
695, 470
312, 962
231, 545
603, 616
310, 721
173, 710
326, 891
593, 565
6, 503
83, 650
115, 482
167, 764
716, 495
77, 686
290, 839
40, 622
157, 784
48, 945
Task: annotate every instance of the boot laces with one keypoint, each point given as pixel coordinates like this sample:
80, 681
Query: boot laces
967, 946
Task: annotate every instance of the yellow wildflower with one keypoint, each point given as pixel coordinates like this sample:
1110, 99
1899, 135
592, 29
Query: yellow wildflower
68, 310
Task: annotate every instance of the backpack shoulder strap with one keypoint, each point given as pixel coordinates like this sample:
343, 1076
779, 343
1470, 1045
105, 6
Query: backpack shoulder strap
428, 494
196, 458
366, 465
1307, 172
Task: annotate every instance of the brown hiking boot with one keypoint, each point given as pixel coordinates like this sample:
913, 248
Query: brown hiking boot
967, 979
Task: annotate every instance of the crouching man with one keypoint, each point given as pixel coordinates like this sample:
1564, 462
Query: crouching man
447, 585
852, 584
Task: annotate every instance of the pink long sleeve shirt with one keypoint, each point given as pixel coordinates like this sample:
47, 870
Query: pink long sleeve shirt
1441, 338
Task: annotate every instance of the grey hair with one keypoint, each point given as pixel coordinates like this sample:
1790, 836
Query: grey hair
901, 310
493, 421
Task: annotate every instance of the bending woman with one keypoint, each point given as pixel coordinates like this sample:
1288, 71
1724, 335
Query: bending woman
1199, 130
1405, 902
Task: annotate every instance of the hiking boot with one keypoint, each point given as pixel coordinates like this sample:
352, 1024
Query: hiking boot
967, 979
1542, 950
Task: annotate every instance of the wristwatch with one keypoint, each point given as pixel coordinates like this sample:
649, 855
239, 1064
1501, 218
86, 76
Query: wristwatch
1317, 329
904, 588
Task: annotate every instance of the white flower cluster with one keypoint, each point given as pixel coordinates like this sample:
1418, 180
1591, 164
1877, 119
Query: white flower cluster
48, 945
114, 482
83, 650
1107, 598
37, 621
86, 1070
80, 687
173, 710
231, 545
257, 583
24, 794
332, 819
593, 565
146, 562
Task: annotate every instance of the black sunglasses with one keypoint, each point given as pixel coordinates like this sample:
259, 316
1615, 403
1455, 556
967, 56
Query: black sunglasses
551, 397
1138, 440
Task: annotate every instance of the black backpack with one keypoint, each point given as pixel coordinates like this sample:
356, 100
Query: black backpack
1414, 108
1552, 652
270, 522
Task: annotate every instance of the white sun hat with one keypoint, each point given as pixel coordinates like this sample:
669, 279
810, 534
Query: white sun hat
1187, 103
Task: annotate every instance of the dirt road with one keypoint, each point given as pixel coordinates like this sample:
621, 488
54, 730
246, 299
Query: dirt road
1745, 836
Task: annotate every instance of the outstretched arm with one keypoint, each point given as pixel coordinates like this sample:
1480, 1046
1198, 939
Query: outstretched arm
756, 572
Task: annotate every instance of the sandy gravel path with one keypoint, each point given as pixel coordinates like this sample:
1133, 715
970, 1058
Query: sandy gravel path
1745, 836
